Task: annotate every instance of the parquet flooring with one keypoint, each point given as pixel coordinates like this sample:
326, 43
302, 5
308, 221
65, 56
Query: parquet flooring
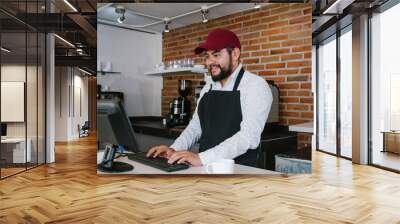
70, 191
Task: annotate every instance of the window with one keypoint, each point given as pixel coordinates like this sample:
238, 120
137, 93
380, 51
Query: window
346, 92
326, 94
385, 87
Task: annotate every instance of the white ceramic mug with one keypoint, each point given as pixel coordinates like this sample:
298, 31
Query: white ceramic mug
221, 166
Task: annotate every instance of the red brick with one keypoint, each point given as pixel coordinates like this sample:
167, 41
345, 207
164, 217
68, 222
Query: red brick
299, 93
303, 19
278, 24
291, 57
251, 60
288, 71
289, 86
297, 107
306, 70
269, 59
267, 73
290, 114
254, 67
307, 115
290, 99
275, 65
280, 51
277, 79
271, 45
298, 78
251, 48
307, 100
278, 37
302, 49
306, 86
298, 63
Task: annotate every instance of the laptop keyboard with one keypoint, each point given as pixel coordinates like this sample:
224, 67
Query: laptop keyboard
158, 162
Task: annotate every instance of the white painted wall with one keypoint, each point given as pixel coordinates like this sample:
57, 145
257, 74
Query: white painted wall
132, 53
67, 116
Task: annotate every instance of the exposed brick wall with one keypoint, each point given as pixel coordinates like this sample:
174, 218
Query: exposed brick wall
276, 44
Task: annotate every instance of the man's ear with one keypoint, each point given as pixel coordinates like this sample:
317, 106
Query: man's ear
236, 54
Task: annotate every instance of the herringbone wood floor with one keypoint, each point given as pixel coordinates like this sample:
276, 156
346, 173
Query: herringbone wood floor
69, 191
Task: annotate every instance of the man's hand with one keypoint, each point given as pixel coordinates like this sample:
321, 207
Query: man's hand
161, 150
185, 156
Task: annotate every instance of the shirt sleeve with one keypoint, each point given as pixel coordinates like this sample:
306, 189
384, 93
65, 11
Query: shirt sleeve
192, 132
256, 103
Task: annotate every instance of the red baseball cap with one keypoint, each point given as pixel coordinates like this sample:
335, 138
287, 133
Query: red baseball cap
219, 39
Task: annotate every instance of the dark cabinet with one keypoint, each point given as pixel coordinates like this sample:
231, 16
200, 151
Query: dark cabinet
275, 140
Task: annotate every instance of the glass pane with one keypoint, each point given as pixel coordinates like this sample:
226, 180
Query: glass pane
346, 94
386, 89
41, 98
327, 96
13, 87
31, 98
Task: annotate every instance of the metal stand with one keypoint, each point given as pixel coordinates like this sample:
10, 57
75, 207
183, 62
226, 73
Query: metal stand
109, 165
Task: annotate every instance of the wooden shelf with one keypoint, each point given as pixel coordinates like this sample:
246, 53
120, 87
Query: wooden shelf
177, 70
105, 72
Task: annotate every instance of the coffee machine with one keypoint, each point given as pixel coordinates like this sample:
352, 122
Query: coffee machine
180, 106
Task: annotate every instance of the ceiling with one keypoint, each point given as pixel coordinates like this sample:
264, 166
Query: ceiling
139, 15
333, 15
76, 24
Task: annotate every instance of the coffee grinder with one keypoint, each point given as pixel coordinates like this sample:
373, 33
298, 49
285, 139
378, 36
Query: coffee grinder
180, 107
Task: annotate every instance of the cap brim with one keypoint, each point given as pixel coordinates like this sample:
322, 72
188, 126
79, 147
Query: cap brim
201, 48
205, 47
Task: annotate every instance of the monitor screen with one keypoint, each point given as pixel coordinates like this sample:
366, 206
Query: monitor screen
113, 125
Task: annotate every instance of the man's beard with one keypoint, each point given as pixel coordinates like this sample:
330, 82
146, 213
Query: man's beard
224, 73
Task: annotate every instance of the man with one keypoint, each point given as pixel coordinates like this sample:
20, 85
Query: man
231, 111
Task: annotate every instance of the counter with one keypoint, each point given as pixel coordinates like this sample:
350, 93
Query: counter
275, 139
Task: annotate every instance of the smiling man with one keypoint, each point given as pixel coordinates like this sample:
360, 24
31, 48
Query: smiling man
231, 111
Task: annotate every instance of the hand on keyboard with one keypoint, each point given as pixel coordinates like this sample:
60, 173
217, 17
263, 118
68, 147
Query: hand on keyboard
160, 151
157, 162
185, 157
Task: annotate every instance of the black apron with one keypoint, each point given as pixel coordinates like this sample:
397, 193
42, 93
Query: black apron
220, 116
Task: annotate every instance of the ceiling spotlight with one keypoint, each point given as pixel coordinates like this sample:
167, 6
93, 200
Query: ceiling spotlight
204, 14
257, 5
120, 10
121, 19
166, 22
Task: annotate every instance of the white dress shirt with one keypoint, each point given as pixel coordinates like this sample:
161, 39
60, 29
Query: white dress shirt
255, 101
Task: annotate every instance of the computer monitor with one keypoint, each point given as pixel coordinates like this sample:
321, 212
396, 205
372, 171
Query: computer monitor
114, 126
114, 129
3, 129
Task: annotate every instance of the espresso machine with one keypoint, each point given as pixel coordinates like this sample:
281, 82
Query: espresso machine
180, 106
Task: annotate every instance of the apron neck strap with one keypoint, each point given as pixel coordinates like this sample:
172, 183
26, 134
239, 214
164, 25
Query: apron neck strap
239, 77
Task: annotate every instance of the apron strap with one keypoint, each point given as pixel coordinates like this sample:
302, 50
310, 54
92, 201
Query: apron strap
239, 77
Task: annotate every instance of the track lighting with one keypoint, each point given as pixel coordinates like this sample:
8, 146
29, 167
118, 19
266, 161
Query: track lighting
5, 50
70, 5
64, 40
204, 14
120, 10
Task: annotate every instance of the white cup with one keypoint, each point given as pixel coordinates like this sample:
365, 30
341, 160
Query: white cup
221, 166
